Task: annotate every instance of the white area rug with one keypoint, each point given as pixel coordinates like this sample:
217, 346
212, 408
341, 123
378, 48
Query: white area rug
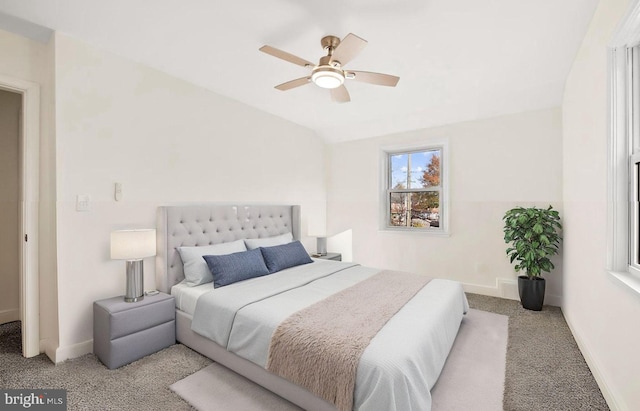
472, 378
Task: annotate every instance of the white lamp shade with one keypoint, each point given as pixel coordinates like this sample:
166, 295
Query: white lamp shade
133, 244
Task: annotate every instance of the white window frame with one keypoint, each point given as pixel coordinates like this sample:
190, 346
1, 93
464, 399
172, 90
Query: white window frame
624, 148
634, 213
385, 153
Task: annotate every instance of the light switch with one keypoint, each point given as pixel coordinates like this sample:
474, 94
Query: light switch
118, 192
83, 202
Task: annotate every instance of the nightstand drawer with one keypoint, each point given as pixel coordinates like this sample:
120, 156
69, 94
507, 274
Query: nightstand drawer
135, 346
129, 318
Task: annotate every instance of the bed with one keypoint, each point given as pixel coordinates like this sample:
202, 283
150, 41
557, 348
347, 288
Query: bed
397, 369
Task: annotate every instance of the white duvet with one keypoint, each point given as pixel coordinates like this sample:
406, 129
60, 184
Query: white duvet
398, 368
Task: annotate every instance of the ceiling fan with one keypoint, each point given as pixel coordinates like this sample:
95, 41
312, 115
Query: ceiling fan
329, 72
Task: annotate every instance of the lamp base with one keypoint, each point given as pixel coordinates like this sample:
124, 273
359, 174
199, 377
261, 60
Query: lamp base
321, 246
135, 281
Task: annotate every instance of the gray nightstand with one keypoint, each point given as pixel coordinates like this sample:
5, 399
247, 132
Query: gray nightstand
330, 256
124, 332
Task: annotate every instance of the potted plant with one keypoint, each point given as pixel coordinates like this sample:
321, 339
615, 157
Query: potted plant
533, 237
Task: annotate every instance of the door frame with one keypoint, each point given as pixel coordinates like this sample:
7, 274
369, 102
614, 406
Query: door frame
29, 175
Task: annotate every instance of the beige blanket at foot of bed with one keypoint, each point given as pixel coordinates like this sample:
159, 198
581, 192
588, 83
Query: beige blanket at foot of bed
320, 346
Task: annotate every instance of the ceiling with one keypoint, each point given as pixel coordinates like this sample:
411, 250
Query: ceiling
457, 60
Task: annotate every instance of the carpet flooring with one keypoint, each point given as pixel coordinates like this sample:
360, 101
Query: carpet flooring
544, 369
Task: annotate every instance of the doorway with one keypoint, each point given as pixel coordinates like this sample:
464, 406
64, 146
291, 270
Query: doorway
28, 204
10, 114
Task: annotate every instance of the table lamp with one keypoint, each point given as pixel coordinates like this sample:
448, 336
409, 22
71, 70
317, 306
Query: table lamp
133, 246
318, 229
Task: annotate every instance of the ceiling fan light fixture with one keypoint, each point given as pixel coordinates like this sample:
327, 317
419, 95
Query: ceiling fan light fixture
327, 77
329, 73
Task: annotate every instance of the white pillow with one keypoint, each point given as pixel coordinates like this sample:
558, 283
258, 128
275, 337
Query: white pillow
269, 241
196, 271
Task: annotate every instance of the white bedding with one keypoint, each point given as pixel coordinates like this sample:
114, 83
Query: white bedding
396, 371
186, 296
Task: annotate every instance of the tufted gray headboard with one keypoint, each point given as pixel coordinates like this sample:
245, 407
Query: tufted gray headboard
199, 225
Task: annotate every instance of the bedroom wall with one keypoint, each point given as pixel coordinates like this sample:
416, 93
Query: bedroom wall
495, 164
167, 141
602, 313
9, 258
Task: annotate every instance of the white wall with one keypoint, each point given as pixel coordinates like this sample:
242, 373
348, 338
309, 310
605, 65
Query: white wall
602, 313
166, 141
495, 164
9, 259
21, 58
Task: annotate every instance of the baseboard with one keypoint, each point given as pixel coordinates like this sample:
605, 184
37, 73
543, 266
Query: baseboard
606, 390
504, 288
554, 300
481, 289
507, 288
7, 316
72, 351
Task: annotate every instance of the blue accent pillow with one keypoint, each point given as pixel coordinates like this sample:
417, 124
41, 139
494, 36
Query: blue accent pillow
284, 256
196, 271
231, 268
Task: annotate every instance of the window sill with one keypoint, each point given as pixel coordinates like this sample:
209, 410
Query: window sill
630, 280
400, 230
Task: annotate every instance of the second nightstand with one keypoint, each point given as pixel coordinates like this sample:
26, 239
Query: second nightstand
330, 256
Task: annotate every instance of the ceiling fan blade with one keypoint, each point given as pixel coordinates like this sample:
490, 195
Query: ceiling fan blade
286, 56
294, 83
340, 94
373, 78
348, 48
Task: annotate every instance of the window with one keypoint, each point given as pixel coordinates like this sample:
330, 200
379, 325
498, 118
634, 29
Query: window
414, 196
623, 256
633, 144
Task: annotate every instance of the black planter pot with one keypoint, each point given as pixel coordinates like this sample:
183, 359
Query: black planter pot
531, 292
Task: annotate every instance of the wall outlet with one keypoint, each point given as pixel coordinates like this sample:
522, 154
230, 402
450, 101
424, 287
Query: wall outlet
83, 202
